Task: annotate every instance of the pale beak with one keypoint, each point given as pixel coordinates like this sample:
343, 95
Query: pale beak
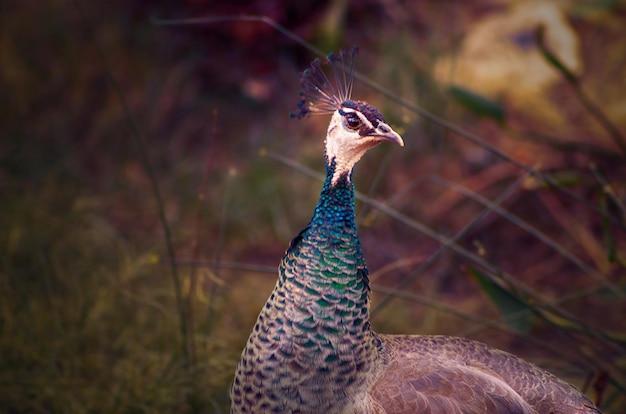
385, 133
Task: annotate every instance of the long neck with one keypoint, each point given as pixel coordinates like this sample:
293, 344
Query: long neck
334, 217
336, 267
323, 272
312, 342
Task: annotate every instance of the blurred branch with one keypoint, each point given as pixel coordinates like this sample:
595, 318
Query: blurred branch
241, 18
608, 199
224, 265
608, 190
195, 245
139, 141
574, 82
569, 146
530, 230
453, 241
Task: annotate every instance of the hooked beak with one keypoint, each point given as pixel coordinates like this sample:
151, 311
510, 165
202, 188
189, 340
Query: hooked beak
384, 133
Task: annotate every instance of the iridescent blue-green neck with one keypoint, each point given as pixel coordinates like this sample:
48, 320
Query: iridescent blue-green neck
325, 263
335, 208
312, 345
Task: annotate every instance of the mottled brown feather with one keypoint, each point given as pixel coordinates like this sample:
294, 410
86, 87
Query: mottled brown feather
439, 374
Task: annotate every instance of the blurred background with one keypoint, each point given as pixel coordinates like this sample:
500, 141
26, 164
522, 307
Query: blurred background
151, 180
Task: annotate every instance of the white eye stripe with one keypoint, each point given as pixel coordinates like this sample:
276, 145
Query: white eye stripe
349, 115
365, 121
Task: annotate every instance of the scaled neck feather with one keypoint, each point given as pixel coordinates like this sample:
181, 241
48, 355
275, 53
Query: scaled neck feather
336, 204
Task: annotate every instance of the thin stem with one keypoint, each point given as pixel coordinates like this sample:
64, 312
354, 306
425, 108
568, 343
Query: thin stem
453, 241
139, 141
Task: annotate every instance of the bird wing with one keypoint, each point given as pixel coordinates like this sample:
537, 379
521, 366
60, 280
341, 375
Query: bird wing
439, 374
438, 386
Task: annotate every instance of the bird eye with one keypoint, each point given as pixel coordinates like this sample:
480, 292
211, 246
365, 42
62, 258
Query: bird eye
352, 121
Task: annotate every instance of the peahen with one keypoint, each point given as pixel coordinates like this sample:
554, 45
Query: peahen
312, 349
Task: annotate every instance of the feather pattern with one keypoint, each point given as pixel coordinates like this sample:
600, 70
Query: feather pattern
312, 349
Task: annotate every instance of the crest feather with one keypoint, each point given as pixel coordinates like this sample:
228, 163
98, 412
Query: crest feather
318, 95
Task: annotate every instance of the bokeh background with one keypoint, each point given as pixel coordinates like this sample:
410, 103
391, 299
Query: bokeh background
151, 179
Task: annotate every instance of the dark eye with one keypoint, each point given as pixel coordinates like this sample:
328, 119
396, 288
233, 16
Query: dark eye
352, 121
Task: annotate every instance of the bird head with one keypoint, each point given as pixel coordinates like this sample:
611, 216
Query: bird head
355, 126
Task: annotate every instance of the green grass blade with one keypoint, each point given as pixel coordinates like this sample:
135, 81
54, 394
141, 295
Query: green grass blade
515, 311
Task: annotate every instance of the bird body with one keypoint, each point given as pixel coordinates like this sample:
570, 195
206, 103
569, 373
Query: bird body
442, 374
312, 349
312, 345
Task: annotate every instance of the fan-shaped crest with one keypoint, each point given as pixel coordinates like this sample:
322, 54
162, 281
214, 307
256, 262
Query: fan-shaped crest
318, 95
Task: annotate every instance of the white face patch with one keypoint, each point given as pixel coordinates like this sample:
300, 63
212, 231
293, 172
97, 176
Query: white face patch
350, 135
344, 144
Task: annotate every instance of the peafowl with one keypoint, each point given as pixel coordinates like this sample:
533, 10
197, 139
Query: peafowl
312, 349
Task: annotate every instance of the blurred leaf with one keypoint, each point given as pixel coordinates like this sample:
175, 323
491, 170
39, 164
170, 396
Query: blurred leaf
516, 312
609, 241
594, 8
552, 59
594, 110
559, 321
610, 206
478, 104
564, 178
572, 325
